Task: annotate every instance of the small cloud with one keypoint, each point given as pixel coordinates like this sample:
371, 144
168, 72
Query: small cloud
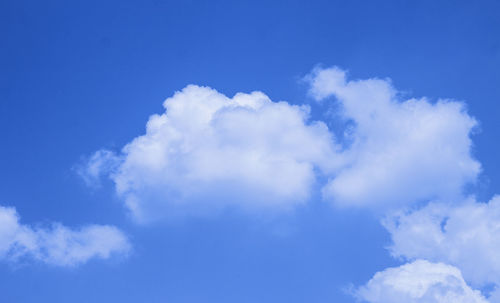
101, 163
57, 245
325, 82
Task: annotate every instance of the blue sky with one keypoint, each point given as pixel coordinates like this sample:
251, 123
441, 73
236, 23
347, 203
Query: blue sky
83, 77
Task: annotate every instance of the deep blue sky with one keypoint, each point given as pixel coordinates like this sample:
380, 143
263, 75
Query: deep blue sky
76, 76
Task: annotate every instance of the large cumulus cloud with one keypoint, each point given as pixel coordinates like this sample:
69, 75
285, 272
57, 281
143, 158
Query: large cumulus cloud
208, 152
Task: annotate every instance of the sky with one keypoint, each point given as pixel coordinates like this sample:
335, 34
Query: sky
249, 151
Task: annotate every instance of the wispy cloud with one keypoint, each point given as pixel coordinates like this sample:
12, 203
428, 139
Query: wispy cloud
57, 245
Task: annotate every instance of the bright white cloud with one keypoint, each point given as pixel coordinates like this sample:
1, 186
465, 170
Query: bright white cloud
401, 152
57, 245
419, 282
209, 151
466, 236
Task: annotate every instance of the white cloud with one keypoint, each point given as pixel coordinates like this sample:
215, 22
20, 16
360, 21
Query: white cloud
209, 151
466, 236
57, 245
98, 164
402, 152
419, 282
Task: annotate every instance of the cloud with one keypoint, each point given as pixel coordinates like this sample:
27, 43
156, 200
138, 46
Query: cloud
402, 152
92, 170
419, 282
464, 235
57, 245
208, 151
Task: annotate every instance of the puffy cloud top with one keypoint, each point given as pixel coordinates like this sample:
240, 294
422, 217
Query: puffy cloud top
419, 282
57, 245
